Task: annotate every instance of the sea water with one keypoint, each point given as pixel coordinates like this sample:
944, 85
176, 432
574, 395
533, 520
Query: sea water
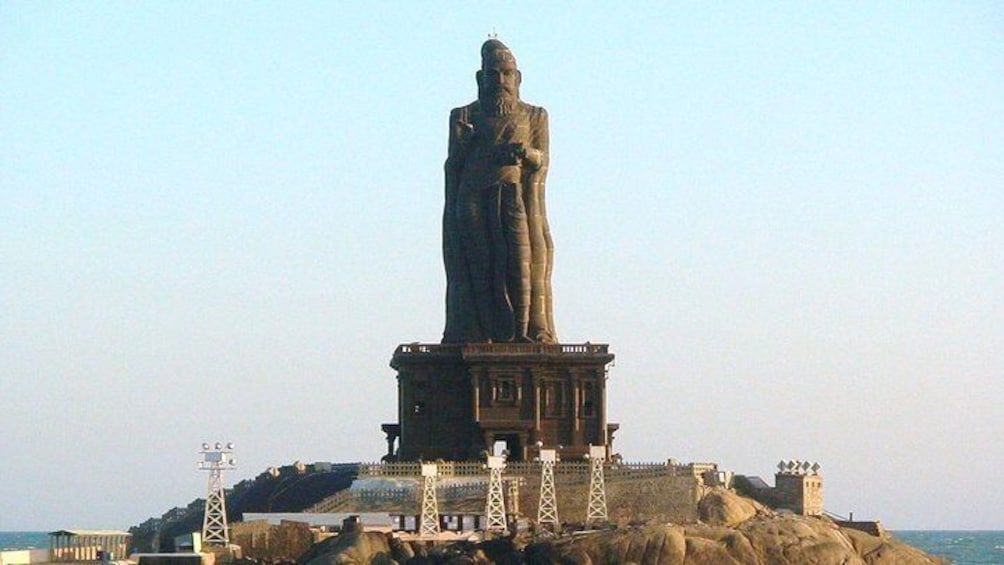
24, 540
961, 547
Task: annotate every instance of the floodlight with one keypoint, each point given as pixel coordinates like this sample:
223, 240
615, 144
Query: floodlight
230, 445
548, 455
540, 444
496, 462
598, 451
430, 470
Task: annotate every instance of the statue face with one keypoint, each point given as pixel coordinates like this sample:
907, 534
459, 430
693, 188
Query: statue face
502, 77
499, 81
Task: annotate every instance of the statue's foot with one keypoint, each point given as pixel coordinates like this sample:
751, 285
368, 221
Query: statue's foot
544, 336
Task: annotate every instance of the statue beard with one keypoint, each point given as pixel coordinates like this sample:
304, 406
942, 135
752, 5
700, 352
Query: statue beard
499, 102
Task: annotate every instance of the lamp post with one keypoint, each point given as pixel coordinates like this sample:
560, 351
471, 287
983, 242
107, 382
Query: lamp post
495, 506
547, 508
597, 509
216, 458
429, 526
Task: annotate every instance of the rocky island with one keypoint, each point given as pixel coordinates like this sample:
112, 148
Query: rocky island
500, 425
726, 527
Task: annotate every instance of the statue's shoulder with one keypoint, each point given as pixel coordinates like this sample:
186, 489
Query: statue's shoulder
536, 113
464, 111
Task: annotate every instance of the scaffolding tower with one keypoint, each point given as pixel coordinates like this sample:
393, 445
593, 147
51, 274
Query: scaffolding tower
216, 458
495, 506
547, 509
596, 511
430, 506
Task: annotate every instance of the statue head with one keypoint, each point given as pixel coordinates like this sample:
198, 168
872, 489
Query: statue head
498, 79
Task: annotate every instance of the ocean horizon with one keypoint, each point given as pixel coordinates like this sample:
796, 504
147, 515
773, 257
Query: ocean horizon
962, 547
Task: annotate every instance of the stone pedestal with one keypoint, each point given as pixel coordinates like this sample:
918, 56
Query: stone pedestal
457, 401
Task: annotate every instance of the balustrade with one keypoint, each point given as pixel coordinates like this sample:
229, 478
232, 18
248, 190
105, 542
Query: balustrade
504, 348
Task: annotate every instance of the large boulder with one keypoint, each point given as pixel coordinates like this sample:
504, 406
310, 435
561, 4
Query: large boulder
799, 539
722, 507
352, 548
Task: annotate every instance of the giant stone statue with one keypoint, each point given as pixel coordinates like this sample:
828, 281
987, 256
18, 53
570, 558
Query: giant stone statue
496, 242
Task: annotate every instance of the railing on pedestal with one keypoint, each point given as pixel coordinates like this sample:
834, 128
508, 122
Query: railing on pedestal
503, 348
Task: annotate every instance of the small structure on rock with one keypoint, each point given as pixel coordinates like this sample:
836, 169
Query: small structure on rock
798, 487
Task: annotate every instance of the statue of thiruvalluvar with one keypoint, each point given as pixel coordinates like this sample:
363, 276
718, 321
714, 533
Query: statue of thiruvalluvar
496, 242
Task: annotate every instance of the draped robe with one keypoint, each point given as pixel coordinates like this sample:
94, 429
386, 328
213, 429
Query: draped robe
497, 245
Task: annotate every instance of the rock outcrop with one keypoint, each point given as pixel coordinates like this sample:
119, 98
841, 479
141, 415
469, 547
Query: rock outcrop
355, 548
733, 529
760, 540
721, 507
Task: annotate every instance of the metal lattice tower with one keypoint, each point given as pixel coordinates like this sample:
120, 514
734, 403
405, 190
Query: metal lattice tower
214, 522
547, 510
597, 509
430, 506
495, 507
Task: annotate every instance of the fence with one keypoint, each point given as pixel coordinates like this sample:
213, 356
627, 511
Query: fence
612, 471
474, 479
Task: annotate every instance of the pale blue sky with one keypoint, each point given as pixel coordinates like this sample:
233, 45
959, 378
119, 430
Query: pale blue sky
219, 219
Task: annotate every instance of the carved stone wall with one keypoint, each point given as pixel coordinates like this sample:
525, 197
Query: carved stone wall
456, 401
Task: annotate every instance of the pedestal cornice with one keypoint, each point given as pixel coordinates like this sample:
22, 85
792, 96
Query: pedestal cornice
563, 353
